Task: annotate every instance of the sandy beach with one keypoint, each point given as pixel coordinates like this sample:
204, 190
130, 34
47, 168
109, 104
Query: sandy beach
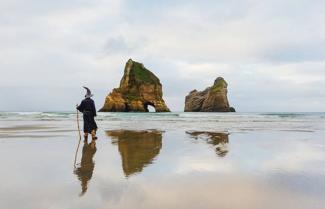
182, 164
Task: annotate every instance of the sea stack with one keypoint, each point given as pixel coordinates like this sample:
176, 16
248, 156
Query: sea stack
139, 87
212, 99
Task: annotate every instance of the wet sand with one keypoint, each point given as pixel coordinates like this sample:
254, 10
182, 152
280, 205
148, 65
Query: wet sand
169, 168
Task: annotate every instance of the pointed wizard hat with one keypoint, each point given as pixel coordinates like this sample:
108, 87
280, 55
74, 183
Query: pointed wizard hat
88, 94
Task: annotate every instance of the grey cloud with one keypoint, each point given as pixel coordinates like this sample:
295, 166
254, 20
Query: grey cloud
119, 45
299, 52
36, 7
116, 45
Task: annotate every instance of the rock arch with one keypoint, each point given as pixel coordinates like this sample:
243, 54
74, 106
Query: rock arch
146, 106
139, 88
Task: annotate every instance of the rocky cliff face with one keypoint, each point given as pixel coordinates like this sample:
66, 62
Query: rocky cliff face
138, 88
212, 99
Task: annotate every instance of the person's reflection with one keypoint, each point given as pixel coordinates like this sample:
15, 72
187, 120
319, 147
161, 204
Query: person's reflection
137, 148
218, 140
86, 167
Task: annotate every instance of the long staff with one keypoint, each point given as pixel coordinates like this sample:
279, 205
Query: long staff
75, 157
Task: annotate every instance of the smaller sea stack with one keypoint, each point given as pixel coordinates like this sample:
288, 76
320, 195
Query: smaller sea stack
212, 99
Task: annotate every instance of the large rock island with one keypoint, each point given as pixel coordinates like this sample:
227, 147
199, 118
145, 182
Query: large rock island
212, 99
138, 88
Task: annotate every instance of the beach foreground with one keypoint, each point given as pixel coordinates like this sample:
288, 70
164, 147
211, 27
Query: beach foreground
166, 160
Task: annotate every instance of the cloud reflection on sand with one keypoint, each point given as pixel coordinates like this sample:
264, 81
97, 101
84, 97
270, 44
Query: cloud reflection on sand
207, 191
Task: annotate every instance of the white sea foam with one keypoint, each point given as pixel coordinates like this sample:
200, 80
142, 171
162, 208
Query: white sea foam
231, 122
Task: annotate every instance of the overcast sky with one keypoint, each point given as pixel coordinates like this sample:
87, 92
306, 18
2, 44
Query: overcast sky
272, 53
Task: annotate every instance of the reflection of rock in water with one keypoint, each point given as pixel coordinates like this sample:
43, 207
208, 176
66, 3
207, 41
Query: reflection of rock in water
86, 168
137, 148
219, 140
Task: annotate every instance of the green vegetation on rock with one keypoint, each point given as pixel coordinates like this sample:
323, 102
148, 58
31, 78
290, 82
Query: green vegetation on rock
141, 74
219, 85
129, 96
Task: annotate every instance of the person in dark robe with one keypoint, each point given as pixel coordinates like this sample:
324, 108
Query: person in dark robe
87, 107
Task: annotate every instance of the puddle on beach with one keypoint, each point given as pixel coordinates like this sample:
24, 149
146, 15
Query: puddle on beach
164, 169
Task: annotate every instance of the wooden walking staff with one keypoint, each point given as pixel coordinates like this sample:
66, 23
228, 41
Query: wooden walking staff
75, 157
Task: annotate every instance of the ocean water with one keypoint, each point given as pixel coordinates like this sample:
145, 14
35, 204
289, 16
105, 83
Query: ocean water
163, 160
231, 122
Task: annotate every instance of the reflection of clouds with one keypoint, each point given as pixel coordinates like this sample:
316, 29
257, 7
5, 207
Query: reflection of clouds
299, 157
204, 165
181, 192
206, 191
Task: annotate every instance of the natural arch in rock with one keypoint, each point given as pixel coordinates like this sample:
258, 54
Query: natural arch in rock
147, 106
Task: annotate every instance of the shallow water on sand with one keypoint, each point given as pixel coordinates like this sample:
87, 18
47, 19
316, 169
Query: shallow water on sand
164, 161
